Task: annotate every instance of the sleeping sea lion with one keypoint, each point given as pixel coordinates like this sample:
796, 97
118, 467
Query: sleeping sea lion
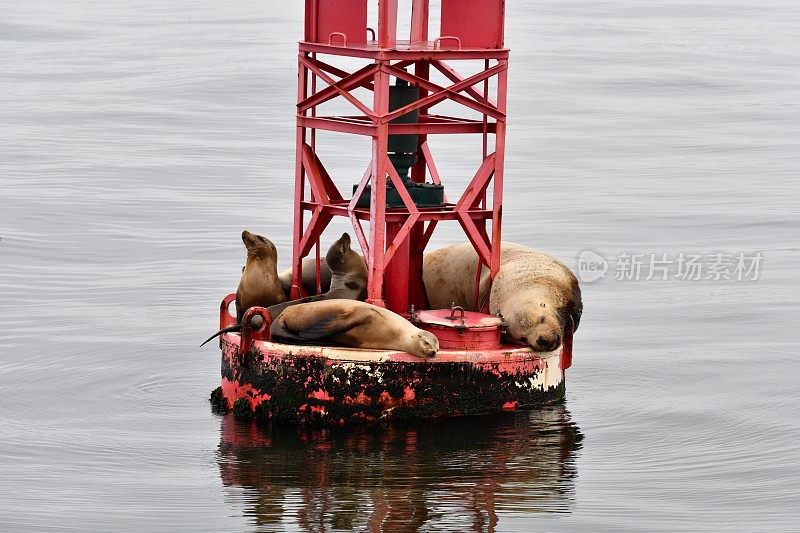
538, 296
351, 323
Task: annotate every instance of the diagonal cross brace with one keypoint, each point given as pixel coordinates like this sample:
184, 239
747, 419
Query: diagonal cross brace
454, 76
313, 65
356, 79
476, 235
405, 229
443, 93
323, 189
359, 230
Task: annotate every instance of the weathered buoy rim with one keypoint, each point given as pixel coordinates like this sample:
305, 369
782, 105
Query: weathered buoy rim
503, 353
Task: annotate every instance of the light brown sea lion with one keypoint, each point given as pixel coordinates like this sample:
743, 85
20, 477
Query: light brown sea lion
535, 293
347, 280
309, 279
351, 323
347, 273
259, 284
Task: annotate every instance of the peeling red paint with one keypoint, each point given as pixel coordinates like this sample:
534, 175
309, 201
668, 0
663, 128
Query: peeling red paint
233, 390
344, 385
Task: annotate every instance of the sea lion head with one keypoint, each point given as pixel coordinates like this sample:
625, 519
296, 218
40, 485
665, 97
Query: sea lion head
259, 247
348, 270
340, 254
536, 325
424, 344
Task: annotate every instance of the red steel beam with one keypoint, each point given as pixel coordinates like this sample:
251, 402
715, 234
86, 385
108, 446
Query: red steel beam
445, 93
311, 64
413, 212
454, 76
404, 52
299, 187
334, 124
377, 226
356, 79
359, 230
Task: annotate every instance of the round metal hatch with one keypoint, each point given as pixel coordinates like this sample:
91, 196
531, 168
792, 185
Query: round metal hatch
457, 329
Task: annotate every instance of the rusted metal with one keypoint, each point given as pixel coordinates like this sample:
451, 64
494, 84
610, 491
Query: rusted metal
255, 326
337, 385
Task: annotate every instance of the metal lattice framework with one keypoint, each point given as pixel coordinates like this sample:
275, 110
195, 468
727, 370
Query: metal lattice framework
398, 236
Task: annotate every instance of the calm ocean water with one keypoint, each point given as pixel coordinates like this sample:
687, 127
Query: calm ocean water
137, 140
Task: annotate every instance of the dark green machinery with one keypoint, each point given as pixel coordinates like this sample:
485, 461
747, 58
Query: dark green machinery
403, 154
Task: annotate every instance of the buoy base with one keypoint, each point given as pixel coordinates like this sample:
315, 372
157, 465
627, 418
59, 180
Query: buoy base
339, 386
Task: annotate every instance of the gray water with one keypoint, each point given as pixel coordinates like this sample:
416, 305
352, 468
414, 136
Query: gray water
137, 140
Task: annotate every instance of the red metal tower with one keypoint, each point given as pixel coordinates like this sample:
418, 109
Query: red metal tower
470, 30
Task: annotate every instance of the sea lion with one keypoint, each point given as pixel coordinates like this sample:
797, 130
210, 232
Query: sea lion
259, 284
309, 279
351, 323
347, 277
537, 295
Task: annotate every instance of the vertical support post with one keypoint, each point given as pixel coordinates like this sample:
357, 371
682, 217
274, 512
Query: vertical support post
377, 222
311, 19
317, 265
416, 290
399, 272
314, 109
499, 169
387, 23
299, 186
419, 21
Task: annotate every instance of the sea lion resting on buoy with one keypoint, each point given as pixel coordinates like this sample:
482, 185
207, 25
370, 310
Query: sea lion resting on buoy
259, 284
309, 280
346, 271
351, 323
347, 280
535, 293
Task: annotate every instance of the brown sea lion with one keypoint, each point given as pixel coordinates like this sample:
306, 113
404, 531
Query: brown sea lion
347, 280
538, 296
347, 274
351, 323
259, 284
309, 277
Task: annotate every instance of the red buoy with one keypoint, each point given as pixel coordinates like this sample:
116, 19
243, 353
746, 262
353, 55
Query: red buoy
403, 197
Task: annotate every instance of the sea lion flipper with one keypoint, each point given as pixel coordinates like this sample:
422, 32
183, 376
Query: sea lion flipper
298, 324
304, 333
326, 326
277, 309
229, 329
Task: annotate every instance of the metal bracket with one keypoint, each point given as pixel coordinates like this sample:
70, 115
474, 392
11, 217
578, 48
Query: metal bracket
255, 326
